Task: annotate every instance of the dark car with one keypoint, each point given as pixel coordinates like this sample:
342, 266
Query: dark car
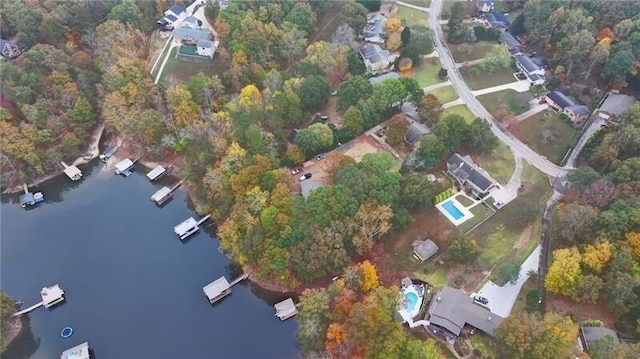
481, 300
305, 176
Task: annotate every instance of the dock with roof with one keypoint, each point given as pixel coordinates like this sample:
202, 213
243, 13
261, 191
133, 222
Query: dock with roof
50, 297
78, 352
72, 172
124, 167
286, 309
156, 173
220, 288
189, 226
164, 194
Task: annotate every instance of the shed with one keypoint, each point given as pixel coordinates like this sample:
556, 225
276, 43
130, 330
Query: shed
286, 309
590, 335
217, 290
78, 352
73, 173
425, 250
124, 166
156, 173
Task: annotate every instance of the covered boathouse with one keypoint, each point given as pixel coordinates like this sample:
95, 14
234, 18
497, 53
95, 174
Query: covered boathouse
286, 309
217, 290
162, 196
124, 167
156, 173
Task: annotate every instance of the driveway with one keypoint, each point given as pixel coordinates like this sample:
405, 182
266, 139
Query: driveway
509, 192
518, 86
458, 83
501, 299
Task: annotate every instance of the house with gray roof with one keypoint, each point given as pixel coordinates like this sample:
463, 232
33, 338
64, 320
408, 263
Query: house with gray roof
376, 59
414, 132
451, 309
424, 250
530, 69
589, 336
510, 41
9, 50
469, 175
498, 21
374, 31
615, 104
378, 79
563, 104
172, 17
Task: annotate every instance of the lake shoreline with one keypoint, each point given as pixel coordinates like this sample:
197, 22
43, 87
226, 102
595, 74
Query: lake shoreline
14, 329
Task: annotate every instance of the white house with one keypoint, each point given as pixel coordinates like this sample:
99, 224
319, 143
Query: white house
172, 17
531, 70
206, 48
376, 59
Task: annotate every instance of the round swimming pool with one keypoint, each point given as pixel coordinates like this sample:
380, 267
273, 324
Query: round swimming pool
412, 299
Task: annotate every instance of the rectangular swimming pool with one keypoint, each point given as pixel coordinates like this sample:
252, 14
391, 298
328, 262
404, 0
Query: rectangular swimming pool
452, 209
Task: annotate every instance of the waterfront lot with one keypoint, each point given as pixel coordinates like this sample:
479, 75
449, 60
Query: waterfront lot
546, 134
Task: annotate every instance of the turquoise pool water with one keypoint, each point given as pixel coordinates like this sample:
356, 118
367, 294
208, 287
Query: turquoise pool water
412, 299
452, 209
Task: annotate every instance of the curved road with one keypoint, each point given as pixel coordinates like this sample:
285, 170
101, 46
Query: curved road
446, 59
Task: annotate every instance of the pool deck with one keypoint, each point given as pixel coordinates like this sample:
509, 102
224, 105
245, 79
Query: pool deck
456, 222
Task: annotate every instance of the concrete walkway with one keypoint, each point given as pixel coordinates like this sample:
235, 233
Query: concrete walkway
470, 63
453, 103
420, 8
502, 299
431, 55
509, 192
519, 86
436, 86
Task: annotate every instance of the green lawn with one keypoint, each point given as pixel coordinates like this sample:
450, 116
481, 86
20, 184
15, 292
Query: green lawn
412, 17
515, 102
546, 134
427, 73
478, 50
180, 71
497, 236
478, 79
444, 94
520, 306
499, 163
436, 278
479, 214
423, 3
464, 200
461, 110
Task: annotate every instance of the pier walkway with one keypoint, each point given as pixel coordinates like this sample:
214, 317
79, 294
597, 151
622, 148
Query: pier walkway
27, 310
239, 279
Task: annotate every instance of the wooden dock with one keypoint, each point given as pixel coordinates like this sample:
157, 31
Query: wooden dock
27, 310
204, 219
239, 279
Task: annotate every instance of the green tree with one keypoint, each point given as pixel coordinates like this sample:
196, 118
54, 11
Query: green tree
497, 59
452, 130
388, 93
330, 203
480, 137
313, 318
315, 139
126, 12
355, 64
619, 65
352, 121
582, 177
405, 35
353, 14
372, 178
589, 288
527, 336
412, 88
370, 114
508, 273
353, 90
314, 92
303, 17
7, 308
463, 250
431, 151
416, 191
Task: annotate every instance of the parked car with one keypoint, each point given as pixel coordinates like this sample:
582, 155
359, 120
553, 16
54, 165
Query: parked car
295, 171
305, 176
319, 157
543, 100
481, 300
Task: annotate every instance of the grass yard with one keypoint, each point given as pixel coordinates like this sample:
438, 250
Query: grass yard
444, 94
505, 237
461, 110
546, 134
427, 73
176, 71
477, 79
464, 200
499, 164
515, 102
479, 214
520, 306
478, 50
423, 3
436, 277
412, 17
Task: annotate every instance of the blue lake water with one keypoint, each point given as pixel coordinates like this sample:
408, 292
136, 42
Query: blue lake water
133, 289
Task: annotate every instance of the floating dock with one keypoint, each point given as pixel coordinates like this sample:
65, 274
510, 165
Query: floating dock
78, 352
220, 288
124, 167
189, 226
164, 194
29, 199
286, 309
72, 172
108, 153
156, 173
50, 297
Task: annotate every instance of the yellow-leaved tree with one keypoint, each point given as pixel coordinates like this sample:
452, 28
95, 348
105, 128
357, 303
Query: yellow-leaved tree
633, 241
369, 276
597, 257
564, 273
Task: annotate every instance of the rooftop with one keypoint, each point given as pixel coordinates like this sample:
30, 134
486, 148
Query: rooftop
156, 172
183, 33
124, 165
214, 289
160, 194
414, 132
526, 62
73, 172
425, 249
177, 9
78, 352
207, 44
286, 309
578, 110
378, 79
464, 169
616, 104
375, 26
185, 226
498, 20
509, 40
591, 335
374, 53
451, 309
51, 294
560, 99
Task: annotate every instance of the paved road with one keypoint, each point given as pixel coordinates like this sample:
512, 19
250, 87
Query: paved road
595, 125
476, 107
